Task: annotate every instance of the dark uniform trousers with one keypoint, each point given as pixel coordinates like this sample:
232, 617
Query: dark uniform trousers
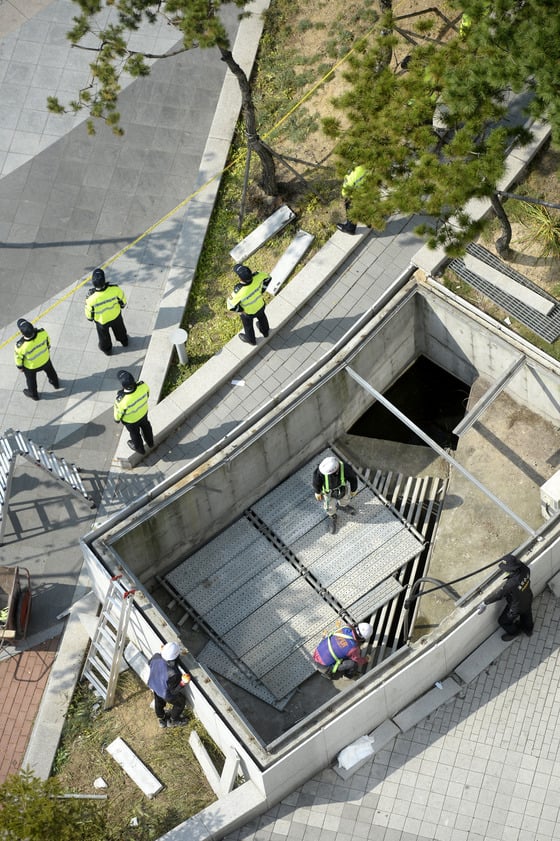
516, 623
139, 428
104, 336
248, 325
31, 377
178, 703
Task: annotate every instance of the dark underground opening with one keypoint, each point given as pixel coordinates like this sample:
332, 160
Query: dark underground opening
429, 396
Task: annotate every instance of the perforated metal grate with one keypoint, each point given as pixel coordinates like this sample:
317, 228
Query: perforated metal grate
213, 556
284, 640
263, 607
375, 599
291, 672
213, 659
244, 602
299, 598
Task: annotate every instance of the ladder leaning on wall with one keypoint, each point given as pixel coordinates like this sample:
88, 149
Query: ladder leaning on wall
104, 658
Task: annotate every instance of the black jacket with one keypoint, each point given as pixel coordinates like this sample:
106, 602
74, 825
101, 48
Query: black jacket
516, 590
335, 486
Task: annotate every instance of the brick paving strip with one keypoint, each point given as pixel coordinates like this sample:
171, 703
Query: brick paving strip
22, 680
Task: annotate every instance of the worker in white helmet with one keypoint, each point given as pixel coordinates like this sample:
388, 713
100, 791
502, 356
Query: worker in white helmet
339, 655
335, 483
166, 682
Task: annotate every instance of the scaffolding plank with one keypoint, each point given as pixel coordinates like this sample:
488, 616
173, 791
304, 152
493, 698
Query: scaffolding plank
213, 658
284, 640
291, 672
262, 592
211, 557
242, 570
289, 260
299, 598
374, 600
261, 234
374, 569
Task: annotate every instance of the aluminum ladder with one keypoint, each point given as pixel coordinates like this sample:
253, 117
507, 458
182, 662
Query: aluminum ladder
14, 444
104, 658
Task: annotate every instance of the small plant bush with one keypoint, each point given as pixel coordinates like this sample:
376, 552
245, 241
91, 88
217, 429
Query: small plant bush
543, 227
36, 810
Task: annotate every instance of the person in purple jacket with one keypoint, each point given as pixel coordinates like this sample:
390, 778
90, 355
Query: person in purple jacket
166, 682
338, 654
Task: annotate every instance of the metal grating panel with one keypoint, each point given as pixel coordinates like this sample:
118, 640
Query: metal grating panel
213, 659
240, 604
375, 568
291, 509
291, 672
298, 598
545, 326
213, 556
288, 638
268, 615
367, 605
240, 572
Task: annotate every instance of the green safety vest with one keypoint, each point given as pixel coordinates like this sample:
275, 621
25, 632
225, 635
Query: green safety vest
132, 406
105, 305
249, 295
352, 180
326, 485
33, 353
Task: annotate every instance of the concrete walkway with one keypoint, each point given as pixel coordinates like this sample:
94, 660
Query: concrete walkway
483, 767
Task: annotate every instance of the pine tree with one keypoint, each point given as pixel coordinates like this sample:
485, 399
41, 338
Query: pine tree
198, 24
35, 810
436, 135
521, 39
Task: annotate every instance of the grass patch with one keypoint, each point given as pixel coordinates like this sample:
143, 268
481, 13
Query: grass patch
296, 51
82, 757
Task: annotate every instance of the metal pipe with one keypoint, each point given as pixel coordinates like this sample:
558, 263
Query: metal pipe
440, 451
414, 596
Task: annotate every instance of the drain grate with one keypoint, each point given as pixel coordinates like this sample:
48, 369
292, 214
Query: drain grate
545, 326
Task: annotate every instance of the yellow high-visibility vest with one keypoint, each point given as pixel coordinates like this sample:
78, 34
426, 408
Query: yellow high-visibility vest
131, 406
33, 353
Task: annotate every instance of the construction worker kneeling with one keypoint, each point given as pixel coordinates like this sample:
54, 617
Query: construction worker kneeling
339, 655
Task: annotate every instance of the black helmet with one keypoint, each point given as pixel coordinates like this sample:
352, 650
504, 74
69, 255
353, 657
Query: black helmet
509, 563
244, 273
98, 279
26, 328
127, 380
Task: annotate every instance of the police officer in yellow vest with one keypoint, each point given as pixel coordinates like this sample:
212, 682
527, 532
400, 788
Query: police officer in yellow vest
32, 354
131, 409
248, 301
103, 306
352, 181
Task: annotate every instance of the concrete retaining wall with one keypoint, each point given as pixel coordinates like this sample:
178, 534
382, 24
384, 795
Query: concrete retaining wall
332, 404
468, 344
